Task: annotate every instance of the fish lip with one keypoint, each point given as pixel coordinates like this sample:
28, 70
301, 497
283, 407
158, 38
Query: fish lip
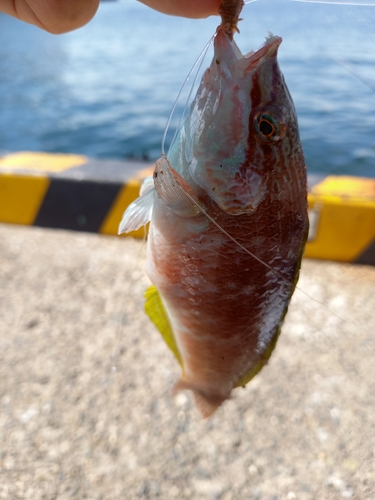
266, 51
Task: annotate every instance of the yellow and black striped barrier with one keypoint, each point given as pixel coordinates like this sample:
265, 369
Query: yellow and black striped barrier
67, 191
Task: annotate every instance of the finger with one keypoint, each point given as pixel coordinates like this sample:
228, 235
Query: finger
186, 8
55, 16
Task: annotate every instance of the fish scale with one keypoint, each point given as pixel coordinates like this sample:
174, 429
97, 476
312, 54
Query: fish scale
228, 213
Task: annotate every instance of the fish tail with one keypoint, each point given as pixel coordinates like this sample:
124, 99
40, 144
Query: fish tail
206, 403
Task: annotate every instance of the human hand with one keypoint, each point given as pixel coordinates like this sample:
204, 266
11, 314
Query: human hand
60, 16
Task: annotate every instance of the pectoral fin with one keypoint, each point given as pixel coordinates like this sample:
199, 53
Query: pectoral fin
156, 312
139, 212
173, 190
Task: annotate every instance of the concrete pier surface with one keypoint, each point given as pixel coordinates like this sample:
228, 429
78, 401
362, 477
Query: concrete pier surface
85, 405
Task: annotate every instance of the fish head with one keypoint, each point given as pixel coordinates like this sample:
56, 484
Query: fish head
242, 132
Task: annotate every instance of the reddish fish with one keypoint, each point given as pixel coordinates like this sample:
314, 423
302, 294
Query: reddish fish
228, 212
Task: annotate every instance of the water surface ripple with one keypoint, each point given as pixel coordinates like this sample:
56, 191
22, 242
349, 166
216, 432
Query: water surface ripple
106, 90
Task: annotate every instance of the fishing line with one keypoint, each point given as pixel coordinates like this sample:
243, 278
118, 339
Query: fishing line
260, 260
202, 56
368, 3
199, 61
366, 81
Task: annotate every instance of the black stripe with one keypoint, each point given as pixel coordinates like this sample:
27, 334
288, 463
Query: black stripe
76, 205
368, 256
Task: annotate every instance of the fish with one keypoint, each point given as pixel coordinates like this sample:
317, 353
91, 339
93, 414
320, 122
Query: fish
228, 222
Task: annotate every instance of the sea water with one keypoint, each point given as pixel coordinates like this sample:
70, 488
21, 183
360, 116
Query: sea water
106, 90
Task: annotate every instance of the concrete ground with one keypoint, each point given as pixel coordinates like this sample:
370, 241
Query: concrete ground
85, 404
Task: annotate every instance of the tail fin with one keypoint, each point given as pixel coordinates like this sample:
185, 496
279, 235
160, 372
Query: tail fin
205, 402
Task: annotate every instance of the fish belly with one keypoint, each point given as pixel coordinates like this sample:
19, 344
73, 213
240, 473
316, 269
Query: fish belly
225, 307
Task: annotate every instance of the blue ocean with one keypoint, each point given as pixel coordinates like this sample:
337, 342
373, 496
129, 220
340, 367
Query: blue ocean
106, 90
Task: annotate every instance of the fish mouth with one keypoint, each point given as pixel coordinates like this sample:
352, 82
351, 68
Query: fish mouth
267, 50
229, 49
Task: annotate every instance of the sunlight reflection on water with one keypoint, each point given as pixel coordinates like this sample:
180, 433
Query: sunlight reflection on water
106, 90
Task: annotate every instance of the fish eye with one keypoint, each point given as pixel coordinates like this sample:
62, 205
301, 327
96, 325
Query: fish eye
268, 127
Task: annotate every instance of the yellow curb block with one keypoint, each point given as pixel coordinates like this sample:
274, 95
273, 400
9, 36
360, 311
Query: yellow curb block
40, 162
21, 198
75, 192
342, 220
